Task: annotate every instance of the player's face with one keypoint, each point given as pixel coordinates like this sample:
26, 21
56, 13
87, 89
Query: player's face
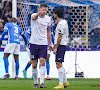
44, 11
55, 15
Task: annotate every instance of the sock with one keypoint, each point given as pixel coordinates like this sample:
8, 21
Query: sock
35, 75
17, 67
64, 78
27, 66
48, 67
60, 74
42, 74
6, 64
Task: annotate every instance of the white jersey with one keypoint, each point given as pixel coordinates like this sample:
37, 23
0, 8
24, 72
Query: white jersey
39, 30
62, 28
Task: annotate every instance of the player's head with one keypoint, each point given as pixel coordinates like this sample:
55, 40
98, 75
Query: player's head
58, 13
13, 19
43, 7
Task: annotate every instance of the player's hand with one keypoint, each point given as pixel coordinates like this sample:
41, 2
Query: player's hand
28, 45
39, 11
0, 43
55, 51
50, 47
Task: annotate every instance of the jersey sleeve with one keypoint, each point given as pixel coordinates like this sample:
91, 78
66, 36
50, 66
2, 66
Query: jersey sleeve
20, 31
6, 27
61, 29
29, 30
33, 14
49, 22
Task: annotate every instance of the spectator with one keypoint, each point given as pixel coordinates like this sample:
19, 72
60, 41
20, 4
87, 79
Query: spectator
1, 27
1, 9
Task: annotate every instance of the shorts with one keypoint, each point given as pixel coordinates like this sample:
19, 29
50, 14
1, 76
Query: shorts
38, 51
48, 51
60, 53
12, 48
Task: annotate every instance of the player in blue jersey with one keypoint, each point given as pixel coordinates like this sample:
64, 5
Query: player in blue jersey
28, 33
13, 45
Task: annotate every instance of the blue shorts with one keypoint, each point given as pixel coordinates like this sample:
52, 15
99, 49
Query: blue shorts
38, 51
60, 53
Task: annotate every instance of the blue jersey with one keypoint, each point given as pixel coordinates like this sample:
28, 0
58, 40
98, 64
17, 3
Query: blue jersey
29, 30
13, 31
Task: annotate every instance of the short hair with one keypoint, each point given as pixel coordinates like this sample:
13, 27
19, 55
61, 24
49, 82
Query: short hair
59, 12
43, 5
13, 19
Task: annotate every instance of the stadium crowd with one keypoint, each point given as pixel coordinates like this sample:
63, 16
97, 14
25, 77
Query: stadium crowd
5, 12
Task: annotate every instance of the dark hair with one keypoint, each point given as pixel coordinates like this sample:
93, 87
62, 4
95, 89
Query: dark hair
59, 12
43, 5
13, 19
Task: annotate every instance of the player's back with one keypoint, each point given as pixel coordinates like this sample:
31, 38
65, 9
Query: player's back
13, 32
62, 28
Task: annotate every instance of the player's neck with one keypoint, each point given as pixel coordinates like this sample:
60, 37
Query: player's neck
59, 19
41, 16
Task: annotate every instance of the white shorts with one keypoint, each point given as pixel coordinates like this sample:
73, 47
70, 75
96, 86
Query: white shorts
48, 51
12, 48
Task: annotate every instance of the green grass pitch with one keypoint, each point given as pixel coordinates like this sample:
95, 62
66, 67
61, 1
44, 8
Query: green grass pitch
27, 84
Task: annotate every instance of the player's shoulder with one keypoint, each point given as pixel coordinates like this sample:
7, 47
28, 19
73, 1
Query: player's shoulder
8, 23
62, 22
33, 14
47, 17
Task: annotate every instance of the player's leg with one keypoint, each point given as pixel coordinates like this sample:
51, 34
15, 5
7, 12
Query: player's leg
28, 64
34, 59
6, 64
65, 82
48, 67
8, 49
16, 57
35, 73
43, 57
61, 72
25, 70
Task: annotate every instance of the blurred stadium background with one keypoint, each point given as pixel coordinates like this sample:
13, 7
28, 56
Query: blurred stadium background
83, 51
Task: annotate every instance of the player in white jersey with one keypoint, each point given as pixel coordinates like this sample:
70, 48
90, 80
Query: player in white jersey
40, 32
61, 40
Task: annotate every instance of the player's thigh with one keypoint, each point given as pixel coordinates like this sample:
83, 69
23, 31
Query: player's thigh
60, 53
17, 49
34, 51
43, 51
10, 48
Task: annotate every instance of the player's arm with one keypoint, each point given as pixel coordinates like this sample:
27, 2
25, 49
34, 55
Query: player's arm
49, 38
60, 33
4, 33
58, 43
24, 36
28, 32
34, 17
